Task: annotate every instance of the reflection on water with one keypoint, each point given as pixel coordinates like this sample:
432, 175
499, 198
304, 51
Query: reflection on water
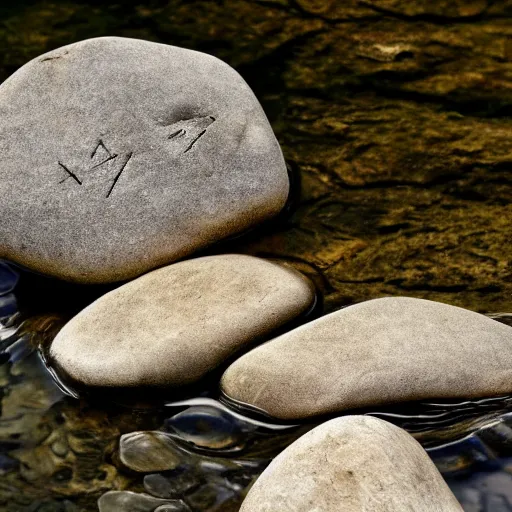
58, 453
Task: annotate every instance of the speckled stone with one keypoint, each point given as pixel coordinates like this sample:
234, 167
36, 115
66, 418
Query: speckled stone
120, 155
352, 464
172, 326
379, 352
148, 451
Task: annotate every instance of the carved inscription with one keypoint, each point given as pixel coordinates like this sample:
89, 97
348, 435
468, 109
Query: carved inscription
185, 134
189, 131
99, 157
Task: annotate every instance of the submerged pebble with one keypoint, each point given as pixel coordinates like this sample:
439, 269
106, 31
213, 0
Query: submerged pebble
120, 155
127, 501
379, 352
485, 492
171, 327
174, 507
146, 452
210, 497
8, 305
175, 484
352, 463
206, 427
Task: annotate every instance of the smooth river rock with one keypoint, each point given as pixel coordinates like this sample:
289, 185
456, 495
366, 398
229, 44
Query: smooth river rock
127, 501
352, 464
172, 326
120, 155
148, 451
206, 427
380, 352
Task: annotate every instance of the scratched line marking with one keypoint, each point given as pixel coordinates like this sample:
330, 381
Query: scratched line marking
118, 175
112, 157
98, 146
70, 174
191, 145
181, 131
192, 124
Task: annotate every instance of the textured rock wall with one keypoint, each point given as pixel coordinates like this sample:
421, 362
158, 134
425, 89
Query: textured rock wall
397, 113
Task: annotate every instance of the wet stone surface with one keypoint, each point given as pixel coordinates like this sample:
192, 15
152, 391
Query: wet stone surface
173, 484
126, 501
173, 507
148, 451
206, 426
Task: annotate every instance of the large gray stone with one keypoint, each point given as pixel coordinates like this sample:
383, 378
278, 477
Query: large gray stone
379, 352
172, 326
119, 155
352, 464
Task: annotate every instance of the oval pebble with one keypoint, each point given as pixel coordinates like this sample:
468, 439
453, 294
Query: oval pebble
128, 501
206, 427
380, 352
171, 327
148, 451
174, 485
179, 506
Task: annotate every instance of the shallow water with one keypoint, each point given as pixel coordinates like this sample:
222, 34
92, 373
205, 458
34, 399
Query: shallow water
60, 453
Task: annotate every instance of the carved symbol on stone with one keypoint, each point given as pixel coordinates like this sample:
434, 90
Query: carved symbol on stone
191, 130
100, 156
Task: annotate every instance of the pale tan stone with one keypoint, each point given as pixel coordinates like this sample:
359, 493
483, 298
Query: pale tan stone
352, 464
172, 326
379, 352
